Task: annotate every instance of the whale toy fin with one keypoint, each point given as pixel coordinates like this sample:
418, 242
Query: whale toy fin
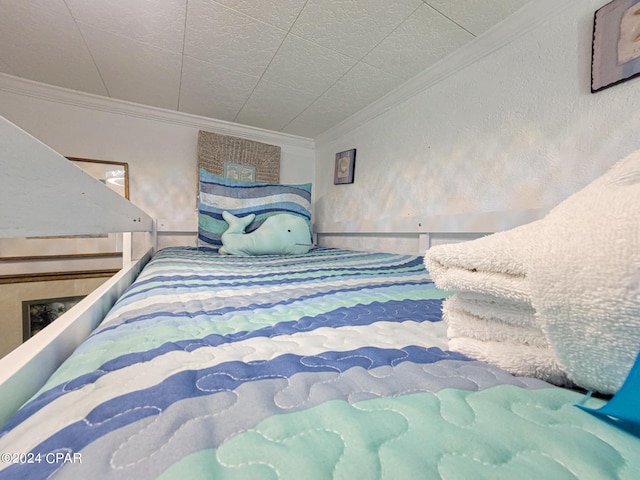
237, 224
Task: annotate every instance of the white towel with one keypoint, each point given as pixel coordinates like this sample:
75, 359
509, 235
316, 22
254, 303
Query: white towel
465, 319
489, 307
585, 278
495, 265
501, 332
579, 267
519, 359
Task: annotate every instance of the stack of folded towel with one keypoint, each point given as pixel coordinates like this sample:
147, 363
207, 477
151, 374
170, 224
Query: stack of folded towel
558, 298
490, 318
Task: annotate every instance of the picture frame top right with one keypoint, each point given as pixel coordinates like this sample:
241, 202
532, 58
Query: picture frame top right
615, 54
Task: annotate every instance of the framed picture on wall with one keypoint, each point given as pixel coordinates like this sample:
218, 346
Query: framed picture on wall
345, 167
37, 314
615, 55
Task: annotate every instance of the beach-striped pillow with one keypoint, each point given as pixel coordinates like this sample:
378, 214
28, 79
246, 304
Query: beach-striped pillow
218, 194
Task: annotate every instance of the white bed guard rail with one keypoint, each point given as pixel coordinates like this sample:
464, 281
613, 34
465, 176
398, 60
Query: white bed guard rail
419, 233
26, 369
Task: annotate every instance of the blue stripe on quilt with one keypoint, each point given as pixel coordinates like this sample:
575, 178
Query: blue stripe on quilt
232, 309
419, 311
109, 416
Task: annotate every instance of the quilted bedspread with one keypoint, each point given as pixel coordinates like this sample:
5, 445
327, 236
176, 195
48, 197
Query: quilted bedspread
332, 364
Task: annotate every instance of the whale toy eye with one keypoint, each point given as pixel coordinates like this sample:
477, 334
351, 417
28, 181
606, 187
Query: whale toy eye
289, 230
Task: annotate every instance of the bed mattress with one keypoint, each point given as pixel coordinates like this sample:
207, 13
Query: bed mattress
332, 364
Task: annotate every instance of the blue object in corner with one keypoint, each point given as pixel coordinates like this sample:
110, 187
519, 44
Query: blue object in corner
624, 406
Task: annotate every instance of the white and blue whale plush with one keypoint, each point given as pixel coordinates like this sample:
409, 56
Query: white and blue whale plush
281, 234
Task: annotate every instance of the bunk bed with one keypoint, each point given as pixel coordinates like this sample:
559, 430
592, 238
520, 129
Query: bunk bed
329, 364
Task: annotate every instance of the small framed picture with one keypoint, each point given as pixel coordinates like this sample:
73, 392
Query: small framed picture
615, 55
345, 167
37, 314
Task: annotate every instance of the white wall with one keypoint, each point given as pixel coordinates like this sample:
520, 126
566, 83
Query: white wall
159, 146
516, 129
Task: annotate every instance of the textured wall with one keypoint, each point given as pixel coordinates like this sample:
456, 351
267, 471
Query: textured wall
518, 129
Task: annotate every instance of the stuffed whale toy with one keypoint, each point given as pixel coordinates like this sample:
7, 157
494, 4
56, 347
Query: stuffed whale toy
282, 234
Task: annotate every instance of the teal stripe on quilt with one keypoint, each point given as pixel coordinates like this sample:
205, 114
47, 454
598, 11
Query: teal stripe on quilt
451, 434
131, 338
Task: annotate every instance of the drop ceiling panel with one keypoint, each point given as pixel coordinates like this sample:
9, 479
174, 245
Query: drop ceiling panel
361, 86
304, 65
226, 38
298, 66
418, 43
134, 71
279, 13
352, 27
272, 105
213, 91
154, 22
4, 68
39, 40
475, 15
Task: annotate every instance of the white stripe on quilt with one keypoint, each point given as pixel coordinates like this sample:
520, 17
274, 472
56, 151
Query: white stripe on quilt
230, 203
255, 291
76, 405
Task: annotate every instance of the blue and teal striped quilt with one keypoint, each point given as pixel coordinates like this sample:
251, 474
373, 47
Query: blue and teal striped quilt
332, 364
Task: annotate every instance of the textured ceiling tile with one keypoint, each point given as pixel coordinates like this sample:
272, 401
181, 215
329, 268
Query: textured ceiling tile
279, 13
272, 105
313, 121
229, 39
361, 86
351, 27
423, 39
477, 16
135, 71
40, 41
306, 66
5, 68
155, 22
309, 124
213, 91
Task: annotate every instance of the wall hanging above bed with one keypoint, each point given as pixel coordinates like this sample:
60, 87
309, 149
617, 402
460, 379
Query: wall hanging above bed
223, 154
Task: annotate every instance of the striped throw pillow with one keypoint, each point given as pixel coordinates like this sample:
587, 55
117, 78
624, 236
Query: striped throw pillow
218, 194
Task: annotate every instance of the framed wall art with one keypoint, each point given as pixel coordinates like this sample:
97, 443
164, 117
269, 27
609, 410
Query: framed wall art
615, 54
37, 314
345, 167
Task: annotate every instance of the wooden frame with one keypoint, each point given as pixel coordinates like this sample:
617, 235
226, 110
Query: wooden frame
615, 56
345, 167
114, 175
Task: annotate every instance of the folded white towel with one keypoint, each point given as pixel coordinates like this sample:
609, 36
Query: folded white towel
585, 278
493, 265
518, 359
465, 320
489, 307
579, 268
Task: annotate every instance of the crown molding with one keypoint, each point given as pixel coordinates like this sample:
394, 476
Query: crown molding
526, 19
65, 96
